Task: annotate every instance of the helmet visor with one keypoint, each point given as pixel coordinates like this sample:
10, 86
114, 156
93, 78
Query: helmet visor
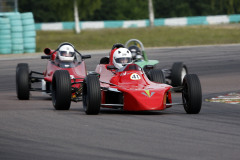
123, 60
66, 54
133, 50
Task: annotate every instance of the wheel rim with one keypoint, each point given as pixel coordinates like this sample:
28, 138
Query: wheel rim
183, 74
85, 97
54, 97
185, 95
85, 102
54, 92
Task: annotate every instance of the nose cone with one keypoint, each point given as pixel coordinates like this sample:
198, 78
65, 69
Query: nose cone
142, 100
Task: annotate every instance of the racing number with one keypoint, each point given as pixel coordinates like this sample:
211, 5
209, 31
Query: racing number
135, 76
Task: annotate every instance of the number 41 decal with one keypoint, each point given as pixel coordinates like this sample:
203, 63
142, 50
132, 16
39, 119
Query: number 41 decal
135, 76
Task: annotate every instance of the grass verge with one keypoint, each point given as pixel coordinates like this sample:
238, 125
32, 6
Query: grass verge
151, 37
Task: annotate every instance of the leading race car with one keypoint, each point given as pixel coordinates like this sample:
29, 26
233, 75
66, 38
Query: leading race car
62, 78
124, 85
174, 75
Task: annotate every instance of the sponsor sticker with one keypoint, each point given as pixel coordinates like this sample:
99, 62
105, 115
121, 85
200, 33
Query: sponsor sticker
72, 76
148, 93
123, 74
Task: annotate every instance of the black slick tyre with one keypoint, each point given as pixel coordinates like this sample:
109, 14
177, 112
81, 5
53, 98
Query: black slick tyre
22, 81
156, 75
61, 90
192, 94
179, 70
91, 95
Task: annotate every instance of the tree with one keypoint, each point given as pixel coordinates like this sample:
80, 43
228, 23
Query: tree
58, 10
151, 13
92, 10
121, 10
76, 17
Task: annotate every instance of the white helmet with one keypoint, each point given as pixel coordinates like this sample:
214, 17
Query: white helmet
121, 57
66, 53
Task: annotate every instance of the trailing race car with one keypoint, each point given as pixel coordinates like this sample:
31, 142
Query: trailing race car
62, 78
175, 74
121, 84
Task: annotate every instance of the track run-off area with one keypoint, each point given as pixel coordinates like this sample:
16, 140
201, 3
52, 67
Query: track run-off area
33, 129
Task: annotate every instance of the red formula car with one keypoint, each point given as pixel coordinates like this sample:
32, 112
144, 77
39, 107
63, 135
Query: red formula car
127, 87
62, 78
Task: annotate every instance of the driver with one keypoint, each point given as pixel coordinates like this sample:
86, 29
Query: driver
121, 57
136, 52
66, 53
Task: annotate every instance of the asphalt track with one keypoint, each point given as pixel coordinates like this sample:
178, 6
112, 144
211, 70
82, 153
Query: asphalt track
34, 130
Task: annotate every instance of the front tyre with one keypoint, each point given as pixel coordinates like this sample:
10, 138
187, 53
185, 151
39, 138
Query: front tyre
91, 94
22, 81
61, 90
156, 75
179, 70
192, 94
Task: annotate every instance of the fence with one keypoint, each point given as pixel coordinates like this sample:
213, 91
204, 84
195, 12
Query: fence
182, 21
18, 30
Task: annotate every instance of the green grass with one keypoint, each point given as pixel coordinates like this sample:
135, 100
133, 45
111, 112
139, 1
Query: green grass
151, 37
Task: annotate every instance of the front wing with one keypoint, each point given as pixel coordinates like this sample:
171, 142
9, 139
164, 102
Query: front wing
138, 99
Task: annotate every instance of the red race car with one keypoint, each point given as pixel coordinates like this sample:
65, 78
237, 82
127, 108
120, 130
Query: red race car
62, 78
121, 84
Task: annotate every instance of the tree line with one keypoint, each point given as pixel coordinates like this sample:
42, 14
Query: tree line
94, 10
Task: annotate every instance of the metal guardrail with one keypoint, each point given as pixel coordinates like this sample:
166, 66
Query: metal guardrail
180, 21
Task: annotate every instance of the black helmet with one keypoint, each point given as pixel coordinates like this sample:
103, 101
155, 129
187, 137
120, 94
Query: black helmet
118, 45
135, 51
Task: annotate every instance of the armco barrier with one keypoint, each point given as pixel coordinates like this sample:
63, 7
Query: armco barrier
235, 18
180, 21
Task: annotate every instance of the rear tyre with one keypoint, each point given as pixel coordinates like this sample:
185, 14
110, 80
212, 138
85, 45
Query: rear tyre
179, 70
156, 75
61, 90
23, 84
91, 95
192, 94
